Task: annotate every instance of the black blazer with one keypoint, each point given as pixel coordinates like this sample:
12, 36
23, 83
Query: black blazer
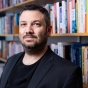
52, 72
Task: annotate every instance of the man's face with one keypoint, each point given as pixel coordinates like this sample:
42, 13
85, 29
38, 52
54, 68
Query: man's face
32, 29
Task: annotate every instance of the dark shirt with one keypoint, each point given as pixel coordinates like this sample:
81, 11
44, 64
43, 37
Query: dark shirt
21, 75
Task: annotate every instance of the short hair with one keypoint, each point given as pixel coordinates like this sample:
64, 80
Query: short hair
39, 8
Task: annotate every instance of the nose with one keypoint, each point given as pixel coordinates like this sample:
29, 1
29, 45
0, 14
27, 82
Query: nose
29, 29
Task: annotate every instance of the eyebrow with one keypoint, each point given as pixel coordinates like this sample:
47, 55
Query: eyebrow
33, 21
37, 21
22, 21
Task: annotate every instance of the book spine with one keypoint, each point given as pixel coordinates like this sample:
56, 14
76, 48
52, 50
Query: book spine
58, 17
87, 16
55, 17
64, 9
52, 18
81, 16
73, 17
69, 16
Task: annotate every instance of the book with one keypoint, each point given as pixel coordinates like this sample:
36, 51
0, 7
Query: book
58, 17
64, 18
81, 16
86, 16
85, 65
75, 52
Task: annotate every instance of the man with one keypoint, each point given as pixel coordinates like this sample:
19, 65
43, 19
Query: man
38, 66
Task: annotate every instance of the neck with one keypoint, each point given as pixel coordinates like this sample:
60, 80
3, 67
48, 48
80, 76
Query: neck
30, 58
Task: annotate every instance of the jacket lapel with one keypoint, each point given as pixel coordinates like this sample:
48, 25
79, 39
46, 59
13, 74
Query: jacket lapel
8, 69
42, 69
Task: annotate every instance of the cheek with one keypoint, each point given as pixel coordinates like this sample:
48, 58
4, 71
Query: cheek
20, 38
21, 35
20, 31
42, 35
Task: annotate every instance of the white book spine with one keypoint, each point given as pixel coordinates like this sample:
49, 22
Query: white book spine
60, 49
52, 19
64, 16
54, 48
81, 16
58, 17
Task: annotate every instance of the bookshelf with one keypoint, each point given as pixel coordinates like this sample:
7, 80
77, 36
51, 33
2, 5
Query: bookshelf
6, 35
3, 60
11, 8
62, 34
18, 6
71, 34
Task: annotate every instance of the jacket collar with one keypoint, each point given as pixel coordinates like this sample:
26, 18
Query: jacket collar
43, 67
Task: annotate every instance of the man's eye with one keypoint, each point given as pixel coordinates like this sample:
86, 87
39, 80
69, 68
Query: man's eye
37, 24
23, 24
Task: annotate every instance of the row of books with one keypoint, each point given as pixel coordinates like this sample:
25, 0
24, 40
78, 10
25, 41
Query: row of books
8, 23
77, 53
58, 17
69, 16
7, 3
10, 48
66, 17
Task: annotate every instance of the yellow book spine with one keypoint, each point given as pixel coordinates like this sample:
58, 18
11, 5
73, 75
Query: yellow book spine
77, 17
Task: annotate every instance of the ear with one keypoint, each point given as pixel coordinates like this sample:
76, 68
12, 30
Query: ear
49, 30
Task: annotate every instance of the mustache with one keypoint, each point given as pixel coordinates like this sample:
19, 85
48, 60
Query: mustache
30, 35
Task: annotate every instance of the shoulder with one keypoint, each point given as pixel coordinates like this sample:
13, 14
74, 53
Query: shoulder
64, 64
14, 57
64, 69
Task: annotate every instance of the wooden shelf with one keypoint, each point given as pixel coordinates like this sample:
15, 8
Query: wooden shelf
3, 10
53, 35
3, 60
5, 35
19, 5
70, 34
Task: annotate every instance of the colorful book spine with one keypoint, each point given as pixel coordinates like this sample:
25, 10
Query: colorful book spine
76, 16
73, 17
87, 16
60, 18
0, 4
69, 16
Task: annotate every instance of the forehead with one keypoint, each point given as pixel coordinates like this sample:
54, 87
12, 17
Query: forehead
31, 15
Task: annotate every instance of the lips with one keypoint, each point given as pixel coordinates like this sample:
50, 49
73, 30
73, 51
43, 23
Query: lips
29, 36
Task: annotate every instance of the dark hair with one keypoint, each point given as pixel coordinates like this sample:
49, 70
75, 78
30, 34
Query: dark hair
39, 8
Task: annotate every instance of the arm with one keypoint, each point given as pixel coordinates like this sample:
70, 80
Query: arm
74, 80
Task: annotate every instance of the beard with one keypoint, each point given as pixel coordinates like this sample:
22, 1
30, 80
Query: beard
37, 46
